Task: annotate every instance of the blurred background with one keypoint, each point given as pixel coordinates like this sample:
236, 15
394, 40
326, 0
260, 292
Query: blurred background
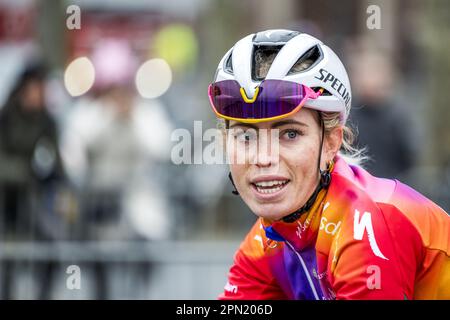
91, 91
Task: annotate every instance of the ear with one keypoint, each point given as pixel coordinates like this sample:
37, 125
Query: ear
332, 143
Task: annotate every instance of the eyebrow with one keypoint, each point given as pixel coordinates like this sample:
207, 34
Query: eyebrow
289, 121
241, 124
275, 125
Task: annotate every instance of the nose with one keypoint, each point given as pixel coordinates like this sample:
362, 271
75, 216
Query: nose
267, 154
263, 160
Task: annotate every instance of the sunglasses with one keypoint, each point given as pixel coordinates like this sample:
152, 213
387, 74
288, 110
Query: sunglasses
273, 99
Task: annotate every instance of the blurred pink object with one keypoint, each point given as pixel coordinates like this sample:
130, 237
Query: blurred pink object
114, 63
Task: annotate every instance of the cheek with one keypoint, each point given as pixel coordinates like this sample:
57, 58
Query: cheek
241, 153
300, 159
237, 165
233, 149
238, 172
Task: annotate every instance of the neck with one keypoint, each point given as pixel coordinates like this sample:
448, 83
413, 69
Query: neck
306, 207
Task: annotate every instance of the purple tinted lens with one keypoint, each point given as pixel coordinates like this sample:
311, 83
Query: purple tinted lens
275, 98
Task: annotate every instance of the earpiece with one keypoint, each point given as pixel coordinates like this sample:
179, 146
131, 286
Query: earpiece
325, 175
325, 178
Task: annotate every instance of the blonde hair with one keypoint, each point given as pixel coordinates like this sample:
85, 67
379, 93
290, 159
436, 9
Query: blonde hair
348, 151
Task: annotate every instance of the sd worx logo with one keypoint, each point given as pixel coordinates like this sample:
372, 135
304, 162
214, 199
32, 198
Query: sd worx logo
329, 227
336, 84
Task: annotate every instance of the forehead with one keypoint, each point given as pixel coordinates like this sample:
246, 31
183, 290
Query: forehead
304, 115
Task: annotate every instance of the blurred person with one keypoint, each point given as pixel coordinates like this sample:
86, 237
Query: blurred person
30, 169
113, 145
327, 228
392, 150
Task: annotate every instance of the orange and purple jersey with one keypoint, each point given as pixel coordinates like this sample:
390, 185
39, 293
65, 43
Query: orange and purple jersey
364, 238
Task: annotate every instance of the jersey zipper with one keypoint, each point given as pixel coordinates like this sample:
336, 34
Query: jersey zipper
305, 269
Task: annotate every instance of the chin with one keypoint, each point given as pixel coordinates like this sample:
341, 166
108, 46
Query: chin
272, 201
271, 211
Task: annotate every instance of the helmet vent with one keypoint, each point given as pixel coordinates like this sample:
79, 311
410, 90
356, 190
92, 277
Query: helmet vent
263, 57
325, 92
228, 64
307, 60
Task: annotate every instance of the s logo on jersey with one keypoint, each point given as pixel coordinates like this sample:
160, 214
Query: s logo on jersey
365, 224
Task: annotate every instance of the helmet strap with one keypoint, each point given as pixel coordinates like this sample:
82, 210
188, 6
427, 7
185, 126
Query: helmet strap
235, 192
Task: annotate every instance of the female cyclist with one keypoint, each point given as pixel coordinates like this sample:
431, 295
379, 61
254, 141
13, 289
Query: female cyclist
327, 229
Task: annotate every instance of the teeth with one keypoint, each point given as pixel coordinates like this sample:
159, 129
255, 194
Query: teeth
270, 186
270, 183
271, 190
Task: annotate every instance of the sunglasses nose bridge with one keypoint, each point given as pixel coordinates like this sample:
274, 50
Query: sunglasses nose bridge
244, 95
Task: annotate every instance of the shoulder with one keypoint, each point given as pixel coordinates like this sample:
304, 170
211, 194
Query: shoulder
392, 233
367, 219
430, 220
388, 211
392, 196
408, 199
358, 215
390, 204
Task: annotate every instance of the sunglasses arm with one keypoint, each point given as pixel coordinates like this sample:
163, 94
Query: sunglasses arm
311, 94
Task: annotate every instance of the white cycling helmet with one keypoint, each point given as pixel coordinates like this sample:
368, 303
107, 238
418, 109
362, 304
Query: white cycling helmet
298, 57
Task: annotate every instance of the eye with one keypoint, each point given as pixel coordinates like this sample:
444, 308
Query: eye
291, 134
246, 136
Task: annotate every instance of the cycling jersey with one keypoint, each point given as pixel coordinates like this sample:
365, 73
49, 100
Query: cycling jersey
364, 238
